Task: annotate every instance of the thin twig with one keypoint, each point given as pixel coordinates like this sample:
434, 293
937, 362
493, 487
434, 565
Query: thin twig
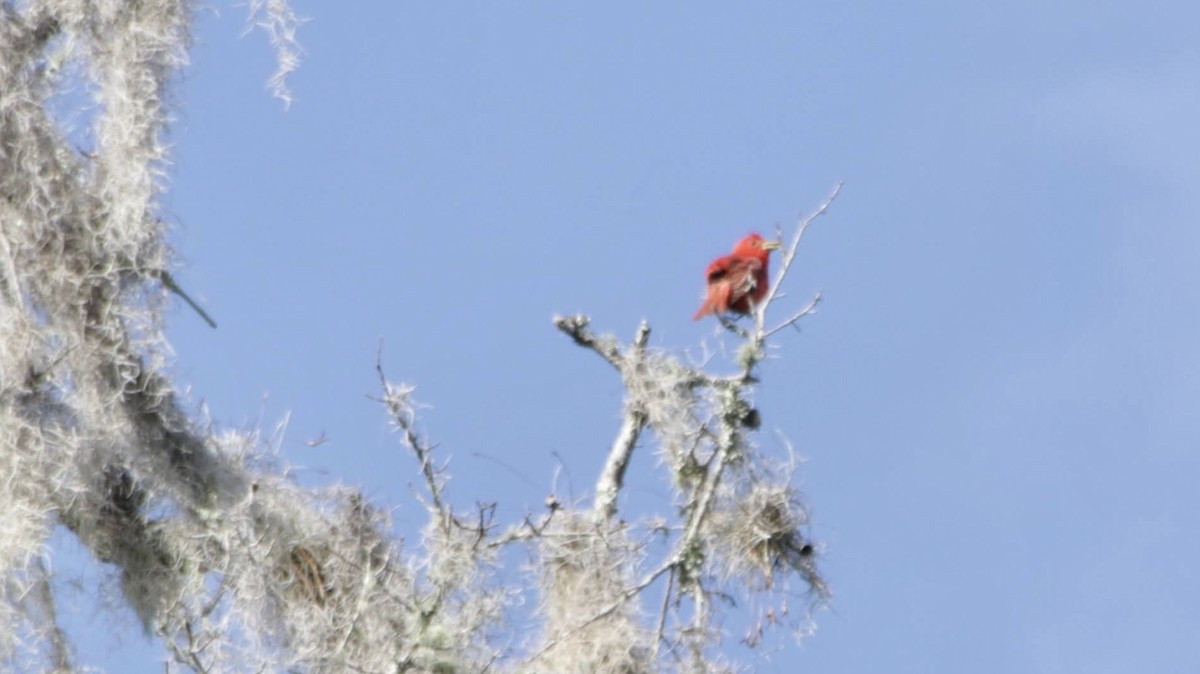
662, 615
790, 254
396, 400
59, 650
810, 308
704, 499
729, 325
169, 282
576, 328
523, 531
607, 610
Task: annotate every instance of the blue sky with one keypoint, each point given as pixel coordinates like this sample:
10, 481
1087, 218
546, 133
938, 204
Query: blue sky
996, 399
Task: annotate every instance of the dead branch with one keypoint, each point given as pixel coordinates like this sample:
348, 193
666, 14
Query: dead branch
396, 397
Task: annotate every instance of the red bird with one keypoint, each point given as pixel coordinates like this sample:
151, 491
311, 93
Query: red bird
739, 281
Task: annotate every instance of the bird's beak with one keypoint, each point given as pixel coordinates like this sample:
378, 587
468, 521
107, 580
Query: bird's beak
771, 245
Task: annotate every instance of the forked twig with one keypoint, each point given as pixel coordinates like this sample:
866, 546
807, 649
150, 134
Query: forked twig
810, 308
612, 476
396, 399
790, 253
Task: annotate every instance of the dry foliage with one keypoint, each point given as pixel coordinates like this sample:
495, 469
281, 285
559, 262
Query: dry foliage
229, 562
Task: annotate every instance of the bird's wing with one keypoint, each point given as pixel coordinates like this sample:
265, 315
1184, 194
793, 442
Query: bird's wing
730, 280
734, 270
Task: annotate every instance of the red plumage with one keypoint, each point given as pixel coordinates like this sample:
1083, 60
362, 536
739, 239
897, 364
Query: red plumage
739, 281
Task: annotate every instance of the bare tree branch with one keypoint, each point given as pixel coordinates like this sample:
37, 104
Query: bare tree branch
397, 399
789, 254
575, 327
612, 476
170, 284
219, 551
810, 308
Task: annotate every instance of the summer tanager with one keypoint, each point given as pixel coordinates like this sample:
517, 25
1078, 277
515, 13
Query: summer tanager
738, 282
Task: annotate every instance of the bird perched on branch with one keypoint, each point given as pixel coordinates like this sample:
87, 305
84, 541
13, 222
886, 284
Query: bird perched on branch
738, 282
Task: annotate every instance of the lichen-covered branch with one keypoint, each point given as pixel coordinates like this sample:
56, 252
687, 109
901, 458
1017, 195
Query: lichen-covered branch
739, 529
612, 476
402, 410
225, 558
